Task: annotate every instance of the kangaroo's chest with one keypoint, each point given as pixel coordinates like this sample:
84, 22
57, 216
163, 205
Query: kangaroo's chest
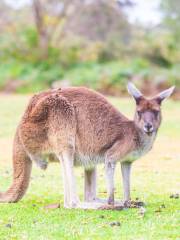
145, 147
88, 160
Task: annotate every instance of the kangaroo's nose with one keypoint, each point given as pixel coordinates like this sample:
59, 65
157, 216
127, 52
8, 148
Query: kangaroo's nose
148, 127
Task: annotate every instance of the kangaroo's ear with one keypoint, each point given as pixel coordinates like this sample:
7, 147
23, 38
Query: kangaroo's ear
164, 94
137, 95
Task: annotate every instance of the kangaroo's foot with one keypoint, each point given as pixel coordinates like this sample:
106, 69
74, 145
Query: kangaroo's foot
91, 205
100, 200
116, 205
85, 205
74, 203
105, 201
102, 204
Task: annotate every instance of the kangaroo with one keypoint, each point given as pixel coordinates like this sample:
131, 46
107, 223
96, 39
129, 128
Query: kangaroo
78, 126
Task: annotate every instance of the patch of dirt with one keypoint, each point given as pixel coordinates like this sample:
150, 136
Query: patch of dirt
52, 206
129, 204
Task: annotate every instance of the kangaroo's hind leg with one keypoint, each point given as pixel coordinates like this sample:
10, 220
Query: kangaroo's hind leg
71, 197
65, 183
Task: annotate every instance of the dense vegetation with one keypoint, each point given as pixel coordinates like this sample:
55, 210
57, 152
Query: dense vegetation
49, 44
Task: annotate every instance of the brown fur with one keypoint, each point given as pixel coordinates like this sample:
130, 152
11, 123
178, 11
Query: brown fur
72, 118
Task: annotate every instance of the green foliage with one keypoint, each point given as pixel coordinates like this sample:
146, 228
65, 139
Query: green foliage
28, 77
110, 78
171, 17
27, 66
173, 77
30, 36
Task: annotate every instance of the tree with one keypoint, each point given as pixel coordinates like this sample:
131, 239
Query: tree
39, 27
171, 17
100, 20
48, 16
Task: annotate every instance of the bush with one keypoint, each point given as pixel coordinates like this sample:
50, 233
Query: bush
28, 77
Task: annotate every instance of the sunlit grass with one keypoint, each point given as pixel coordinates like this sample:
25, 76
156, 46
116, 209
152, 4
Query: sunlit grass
154, 178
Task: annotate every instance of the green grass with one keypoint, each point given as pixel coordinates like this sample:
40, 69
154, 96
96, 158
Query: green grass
154, 178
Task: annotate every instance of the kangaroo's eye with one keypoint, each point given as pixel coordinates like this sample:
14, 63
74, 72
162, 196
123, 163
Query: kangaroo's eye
155, 112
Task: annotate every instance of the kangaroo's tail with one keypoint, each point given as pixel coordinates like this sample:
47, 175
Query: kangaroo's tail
21, 174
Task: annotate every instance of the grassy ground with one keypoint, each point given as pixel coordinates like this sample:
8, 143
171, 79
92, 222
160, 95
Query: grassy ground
154, 178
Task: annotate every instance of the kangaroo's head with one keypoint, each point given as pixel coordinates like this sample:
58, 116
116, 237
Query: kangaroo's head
148, 111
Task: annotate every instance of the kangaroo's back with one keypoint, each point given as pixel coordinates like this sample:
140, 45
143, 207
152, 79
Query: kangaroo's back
99, 124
